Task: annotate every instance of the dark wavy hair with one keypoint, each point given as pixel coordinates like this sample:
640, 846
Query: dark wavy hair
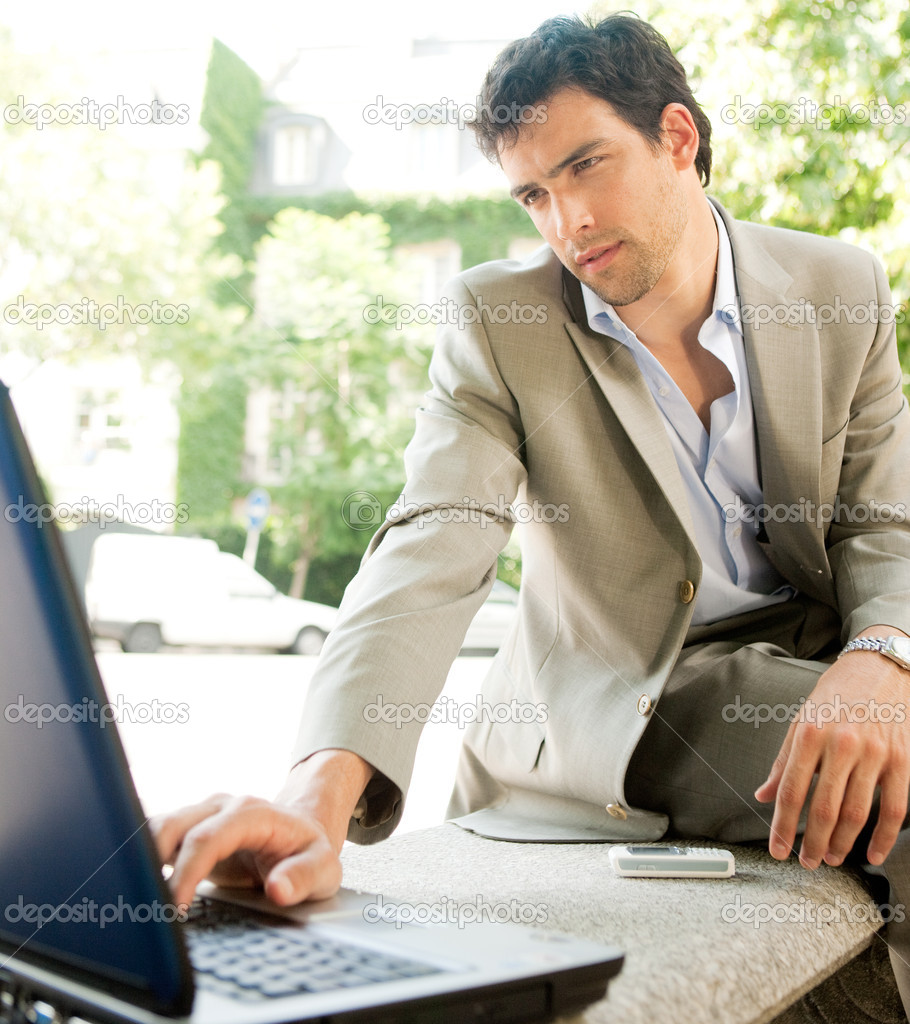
621, 59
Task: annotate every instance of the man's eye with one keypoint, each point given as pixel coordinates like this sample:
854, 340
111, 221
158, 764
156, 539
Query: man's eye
530, 198
583, 165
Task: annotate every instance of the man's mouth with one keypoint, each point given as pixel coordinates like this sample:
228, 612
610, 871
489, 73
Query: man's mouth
597, 257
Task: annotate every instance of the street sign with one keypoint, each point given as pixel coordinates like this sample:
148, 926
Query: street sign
258, 504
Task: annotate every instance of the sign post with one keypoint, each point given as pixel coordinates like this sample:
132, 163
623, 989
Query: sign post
258, 504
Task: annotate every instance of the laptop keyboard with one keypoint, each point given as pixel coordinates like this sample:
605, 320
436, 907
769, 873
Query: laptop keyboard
243, 955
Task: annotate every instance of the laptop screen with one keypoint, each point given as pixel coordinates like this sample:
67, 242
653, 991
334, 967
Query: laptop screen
80, 887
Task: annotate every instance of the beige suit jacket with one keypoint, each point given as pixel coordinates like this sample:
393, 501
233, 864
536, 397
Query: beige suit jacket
558, 420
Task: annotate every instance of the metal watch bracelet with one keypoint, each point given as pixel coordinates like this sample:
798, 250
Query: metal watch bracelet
897, 648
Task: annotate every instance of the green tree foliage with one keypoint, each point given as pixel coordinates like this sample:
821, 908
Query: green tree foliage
482, 226
343, 380
232, 110
212, 410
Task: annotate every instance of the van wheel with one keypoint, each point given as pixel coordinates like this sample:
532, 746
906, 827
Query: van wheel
309, 641
143, 638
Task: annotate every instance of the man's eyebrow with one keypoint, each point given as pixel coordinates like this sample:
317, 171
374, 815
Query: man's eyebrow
577, 154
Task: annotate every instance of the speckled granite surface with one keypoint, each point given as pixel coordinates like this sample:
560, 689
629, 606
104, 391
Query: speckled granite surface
697, 951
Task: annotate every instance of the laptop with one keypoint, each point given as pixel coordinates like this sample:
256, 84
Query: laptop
88, 931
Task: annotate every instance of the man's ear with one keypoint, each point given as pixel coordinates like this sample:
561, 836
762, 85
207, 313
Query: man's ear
679, 135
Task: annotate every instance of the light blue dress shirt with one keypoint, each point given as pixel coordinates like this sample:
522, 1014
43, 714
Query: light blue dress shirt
719, 469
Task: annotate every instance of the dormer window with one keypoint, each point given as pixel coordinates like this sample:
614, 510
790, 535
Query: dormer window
296, 152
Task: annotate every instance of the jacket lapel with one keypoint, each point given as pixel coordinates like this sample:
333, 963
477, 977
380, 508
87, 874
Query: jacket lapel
784, 363
615, 371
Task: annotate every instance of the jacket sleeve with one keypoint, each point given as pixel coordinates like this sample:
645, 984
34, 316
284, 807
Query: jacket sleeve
869, 538
425, 574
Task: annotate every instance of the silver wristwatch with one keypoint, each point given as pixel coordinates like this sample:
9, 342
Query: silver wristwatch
897, 648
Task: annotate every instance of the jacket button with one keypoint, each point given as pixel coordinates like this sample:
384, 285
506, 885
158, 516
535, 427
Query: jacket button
686, 591
616, 811
644, 704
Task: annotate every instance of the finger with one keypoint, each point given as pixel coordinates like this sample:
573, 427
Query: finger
247, 830
244, 824
314, 874
792, 790
892, 813
854, 813
767, 791
840, 760
168, 830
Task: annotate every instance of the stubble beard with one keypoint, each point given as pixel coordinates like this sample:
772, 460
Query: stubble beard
645, 261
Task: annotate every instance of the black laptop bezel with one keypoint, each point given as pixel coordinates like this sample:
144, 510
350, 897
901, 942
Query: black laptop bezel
74, 631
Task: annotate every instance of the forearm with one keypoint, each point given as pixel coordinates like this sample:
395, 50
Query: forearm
873, 669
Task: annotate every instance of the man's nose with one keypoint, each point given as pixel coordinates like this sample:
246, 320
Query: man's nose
572, 216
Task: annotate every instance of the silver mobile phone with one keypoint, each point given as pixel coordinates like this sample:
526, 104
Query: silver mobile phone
671, 862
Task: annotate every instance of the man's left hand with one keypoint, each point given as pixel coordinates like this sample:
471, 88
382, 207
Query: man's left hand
854, 732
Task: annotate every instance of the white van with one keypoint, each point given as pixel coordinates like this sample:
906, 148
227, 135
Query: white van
145, 591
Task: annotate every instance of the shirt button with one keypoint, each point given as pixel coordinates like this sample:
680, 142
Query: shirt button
616, 811
644, 704
737, 531
663, 392
686, 591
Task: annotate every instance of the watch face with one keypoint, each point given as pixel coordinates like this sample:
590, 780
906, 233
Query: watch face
900, 646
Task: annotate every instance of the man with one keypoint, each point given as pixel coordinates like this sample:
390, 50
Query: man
646, 404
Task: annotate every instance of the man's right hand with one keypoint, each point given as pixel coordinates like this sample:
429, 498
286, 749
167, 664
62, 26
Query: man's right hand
290, 846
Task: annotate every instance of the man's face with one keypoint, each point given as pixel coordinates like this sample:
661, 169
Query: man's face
612, 208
